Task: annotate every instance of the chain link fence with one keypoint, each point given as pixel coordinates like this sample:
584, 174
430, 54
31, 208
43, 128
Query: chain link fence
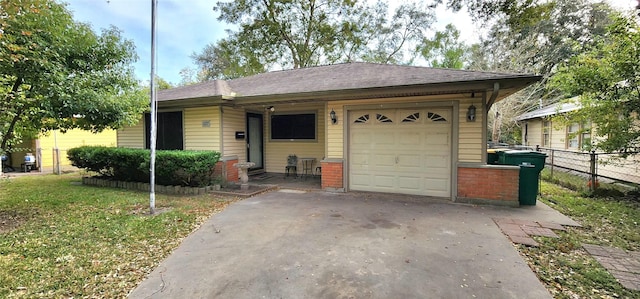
594, 167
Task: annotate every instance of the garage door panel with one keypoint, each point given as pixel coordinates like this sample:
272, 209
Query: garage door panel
436, 184
438, 139
361, 179
384, 181
412, 155
383, 160
411, 139
437, 162
412, 183
361, 137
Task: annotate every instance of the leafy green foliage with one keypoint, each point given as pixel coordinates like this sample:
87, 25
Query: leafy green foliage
67, 240
186, 168
607, 79
56, 73
297, 34
445, 49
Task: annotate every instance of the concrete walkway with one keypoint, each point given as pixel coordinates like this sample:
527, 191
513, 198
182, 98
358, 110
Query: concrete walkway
296, 244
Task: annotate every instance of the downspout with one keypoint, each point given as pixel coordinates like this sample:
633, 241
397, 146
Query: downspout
221, 138
485, 122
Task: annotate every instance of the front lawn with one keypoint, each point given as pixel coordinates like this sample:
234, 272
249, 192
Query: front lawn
59, 238
563, 265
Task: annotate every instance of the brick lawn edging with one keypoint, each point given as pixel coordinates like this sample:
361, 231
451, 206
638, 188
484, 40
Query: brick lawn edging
173, 190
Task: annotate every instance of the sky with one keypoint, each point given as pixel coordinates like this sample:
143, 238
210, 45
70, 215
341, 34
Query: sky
185, 27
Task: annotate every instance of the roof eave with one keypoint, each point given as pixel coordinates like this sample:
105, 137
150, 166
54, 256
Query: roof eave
508, 87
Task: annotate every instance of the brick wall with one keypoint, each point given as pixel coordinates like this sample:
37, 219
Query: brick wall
497, 184
225, 169
332, 175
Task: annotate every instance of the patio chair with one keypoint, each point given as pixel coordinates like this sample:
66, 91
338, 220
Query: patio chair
319, 169
292, 166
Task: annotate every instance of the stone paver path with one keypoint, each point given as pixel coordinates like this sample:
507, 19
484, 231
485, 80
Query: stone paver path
520, 231
623, 265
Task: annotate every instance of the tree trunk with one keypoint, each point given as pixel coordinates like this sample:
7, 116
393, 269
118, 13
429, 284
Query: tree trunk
6, 136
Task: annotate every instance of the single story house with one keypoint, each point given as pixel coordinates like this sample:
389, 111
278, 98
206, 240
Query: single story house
371, 127
50, 149
568, 145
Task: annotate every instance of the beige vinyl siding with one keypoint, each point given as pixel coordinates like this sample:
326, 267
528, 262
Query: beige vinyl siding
234, 119
470, 138
335, 140
276, 151
131, 136
558, 135
202, 128
534, 136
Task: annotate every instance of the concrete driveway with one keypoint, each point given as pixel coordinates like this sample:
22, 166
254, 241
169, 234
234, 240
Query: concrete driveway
292, 244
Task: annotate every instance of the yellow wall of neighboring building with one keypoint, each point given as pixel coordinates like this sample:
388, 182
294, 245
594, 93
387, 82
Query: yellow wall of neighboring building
534, 133
46, 143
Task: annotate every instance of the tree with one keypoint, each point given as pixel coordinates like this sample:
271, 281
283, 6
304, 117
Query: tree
445, 49
303, 33
607, 79
559, 30
56, 73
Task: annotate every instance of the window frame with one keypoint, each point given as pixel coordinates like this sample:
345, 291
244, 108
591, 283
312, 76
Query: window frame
546, 133
294, 114
147, 127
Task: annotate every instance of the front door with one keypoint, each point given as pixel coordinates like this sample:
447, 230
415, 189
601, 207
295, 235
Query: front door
254, 140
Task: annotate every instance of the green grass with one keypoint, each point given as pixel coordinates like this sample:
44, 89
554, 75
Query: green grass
563, 265
80, 241
581, 184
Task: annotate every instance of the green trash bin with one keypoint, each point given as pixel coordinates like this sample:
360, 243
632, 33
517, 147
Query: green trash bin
531, 164
493, 155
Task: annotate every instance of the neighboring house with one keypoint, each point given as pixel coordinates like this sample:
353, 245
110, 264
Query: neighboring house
538, 129
398, 129
568, 144
44, 147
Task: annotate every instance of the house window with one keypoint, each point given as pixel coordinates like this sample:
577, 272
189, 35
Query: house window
579, 136
435, 117
573, 140
169, 131
383, 118
546, 133
293, 126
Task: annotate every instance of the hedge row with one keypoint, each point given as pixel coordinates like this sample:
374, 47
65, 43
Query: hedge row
176, 168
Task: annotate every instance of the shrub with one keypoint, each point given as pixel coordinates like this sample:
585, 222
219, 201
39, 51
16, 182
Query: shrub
185, 168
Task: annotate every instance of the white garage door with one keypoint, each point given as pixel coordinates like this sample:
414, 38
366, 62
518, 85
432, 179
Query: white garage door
401, 151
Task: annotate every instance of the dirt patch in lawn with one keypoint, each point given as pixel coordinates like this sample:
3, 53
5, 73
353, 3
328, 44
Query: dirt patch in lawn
10, 220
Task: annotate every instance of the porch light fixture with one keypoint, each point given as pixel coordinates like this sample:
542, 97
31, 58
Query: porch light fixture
334, 118
471, 113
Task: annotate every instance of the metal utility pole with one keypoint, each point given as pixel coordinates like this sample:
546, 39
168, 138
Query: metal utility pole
154, 112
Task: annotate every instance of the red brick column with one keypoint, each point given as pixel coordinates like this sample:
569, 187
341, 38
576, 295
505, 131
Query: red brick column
492, 184
224, 168
332, 175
